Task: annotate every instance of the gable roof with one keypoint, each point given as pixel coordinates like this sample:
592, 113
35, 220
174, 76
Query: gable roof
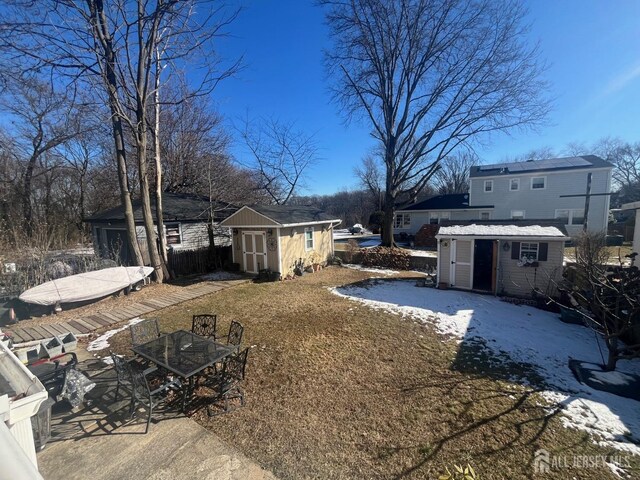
504, 228
453, 201
546, 165
286, 215
175, 207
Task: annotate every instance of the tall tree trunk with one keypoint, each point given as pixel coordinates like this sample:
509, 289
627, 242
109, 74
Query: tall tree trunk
27, 207
162, 239
612, 357
123, 181
102, 32
147, 215
389, 198
387, 223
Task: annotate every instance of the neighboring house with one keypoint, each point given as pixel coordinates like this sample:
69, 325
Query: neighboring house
536, 189
523, 190
437, 209
504, 258
280, 237
635, 206
186, 223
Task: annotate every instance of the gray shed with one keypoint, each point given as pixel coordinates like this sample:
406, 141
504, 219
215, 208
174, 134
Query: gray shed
502, 257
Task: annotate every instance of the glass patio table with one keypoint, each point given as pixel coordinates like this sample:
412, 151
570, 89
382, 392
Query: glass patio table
184, 354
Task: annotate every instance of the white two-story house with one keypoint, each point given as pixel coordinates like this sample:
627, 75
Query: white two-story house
531, 190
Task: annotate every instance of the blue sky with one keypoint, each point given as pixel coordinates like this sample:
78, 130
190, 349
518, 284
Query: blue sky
592, 46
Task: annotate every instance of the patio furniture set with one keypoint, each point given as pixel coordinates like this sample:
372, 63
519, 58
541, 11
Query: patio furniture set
184, 362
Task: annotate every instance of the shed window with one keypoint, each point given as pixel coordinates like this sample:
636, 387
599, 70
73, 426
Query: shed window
529, 250
174, 236
488, 185
538, 183
517, 214
308, 238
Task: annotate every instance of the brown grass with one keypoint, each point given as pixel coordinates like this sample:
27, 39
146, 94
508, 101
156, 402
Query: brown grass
338, 390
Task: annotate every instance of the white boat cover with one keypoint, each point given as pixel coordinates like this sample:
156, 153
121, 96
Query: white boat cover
85, 286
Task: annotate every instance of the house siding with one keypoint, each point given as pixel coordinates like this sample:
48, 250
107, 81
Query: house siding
520, 281
293, 246
542, 204
245, 217
194, 235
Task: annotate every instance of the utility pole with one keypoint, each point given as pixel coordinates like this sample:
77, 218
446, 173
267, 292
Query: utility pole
587, 198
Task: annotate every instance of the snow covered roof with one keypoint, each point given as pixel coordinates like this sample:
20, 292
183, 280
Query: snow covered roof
475, 230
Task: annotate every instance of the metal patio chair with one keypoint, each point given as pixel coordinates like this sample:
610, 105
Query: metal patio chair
144, 331
124, 369
234, 337
226, 384
204, 325
143, 394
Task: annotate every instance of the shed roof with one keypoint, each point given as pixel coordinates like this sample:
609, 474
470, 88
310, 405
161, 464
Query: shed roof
286, 215
504, 228
175, 207
546, 165
452, 201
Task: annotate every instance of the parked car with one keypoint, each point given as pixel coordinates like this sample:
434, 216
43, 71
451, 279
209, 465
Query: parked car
357, 228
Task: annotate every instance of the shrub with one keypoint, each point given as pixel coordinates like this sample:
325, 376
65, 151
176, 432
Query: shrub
385, 257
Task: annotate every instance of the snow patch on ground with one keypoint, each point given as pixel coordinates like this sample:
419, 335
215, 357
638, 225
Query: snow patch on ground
220, 275
528, 336
102, 341
381, 271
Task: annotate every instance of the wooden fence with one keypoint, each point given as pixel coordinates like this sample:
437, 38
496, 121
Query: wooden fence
201, 260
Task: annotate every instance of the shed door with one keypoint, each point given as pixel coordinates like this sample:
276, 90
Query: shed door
461, 251
254, 251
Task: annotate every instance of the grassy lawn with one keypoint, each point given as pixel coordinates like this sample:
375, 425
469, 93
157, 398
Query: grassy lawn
336, 389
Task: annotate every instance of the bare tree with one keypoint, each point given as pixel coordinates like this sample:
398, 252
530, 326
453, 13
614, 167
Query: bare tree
43, 121
429, 76
112, 46
281, 155
610, 296
453, 176
371, 176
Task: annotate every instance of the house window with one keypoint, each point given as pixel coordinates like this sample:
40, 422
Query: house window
308, 238
538, 183
403, 220
488, 185
174, 236
485, 215
514, 184
517, 214
436, 217
577, 217
571, 216
529, 251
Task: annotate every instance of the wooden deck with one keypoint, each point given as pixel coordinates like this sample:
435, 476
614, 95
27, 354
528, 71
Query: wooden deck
90, 323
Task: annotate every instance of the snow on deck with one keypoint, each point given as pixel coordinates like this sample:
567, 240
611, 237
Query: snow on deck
501, 231
526, 335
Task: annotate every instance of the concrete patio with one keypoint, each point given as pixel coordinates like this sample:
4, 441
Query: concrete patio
100, 441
